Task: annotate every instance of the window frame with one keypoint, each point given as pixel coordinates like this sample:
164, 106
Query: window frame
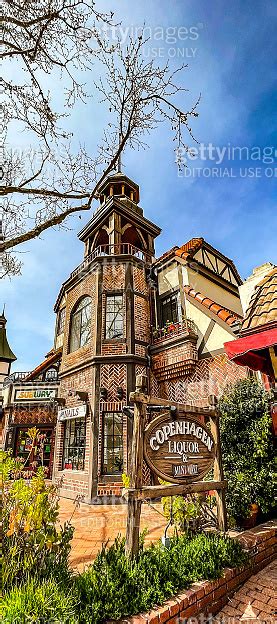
114, 472
110, 295
61, 323
68, 425
78, 312
168, 298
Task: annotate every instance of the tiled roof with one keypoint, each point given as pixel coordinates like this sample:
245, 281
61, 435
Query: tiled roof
262, 309
223, 313
190, 248
51, 359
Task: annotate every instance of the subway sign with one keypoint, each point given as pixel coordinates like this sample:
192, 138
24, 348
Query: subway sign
39, 394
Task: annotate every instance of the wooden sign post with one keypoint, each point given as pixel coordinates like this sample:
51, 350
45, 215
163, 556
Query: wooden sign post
134, 504
180, 450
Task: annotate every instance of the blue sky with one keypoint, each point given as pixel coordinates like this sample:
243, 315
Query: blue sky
232, 62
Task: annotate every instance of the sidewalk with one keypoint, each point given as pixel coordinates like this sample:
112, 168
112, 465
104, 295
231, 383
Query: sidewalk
255, 602
95, 524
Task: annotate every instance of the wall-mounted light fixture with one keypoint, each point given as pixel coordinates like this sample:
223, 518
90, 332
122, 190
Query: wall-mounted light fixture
119, 393
103, 394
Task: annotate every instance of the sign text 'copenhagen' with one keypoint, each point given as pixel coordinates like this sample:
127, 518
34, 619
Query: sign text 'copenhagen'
178, 450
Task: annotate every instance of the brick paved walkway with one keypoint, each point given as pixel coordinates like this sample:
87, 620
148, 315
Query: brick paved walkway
255, 601
95, 524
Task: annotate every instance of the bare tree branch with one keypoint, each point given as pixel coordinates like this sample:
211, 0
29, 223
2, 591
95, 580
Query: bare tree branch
51, 180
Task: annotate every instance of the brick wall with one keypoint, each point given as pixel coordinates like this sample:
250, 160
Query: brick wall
113, 276
113, 376
75, 481
210, 376
142, 318
175, 362
140, 284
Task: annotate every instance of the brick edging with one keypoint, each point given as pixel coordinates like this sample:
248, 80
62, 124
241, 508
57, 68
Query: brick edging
208, 597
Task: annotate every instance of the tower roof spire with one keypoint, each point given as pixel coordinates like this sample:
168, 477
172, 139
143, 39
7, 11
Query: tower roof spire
6, 354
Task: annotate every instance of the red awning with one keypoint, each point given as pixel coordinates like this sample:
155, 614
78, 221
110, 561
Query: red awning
243, 351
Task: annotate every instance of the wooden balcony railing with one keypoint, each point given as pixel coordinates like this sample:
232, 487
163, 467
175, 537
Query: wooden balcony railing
125, 249
185, 328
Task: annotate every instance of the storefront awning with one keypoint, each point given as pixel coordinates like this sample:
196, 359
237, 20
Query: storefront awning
245, 351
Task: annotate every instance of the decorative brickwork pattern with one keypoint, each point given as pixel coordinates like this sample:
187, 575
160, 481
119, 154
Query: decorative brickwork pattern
142, 329
140, 369
140, 284
210, 376
177, 361
113, 376
40, 415
113, 276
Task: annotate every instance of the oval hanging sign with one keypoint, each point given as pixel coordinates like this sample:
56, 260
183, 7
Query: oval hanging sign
178, 450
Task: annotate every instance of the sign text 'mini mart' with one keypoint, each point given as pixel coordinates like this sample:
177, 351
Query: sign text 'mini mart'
178, 450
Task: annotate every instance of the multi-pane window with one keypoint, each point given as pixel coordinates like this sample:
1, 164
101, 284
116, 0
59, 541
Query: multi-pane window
114, 316
81, 324
170, 310
61, 322
112, 443
74, 444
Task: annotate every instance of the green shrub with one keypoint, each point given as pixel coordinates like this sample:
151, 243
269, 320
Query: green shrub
114, 586
32, 544
185, 511
247, 448
39, 602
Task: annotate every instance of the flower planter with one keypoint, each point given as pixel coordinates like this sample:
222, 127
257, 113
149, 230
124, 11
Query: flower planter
251, 520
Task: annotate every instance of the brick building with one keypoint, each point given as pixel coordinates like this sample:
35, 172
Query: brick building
30, 399
122, 313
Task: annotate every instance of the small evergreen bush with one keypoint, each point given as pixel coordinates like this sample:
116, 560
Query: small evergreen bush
114, 586
36, 602
247, 448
